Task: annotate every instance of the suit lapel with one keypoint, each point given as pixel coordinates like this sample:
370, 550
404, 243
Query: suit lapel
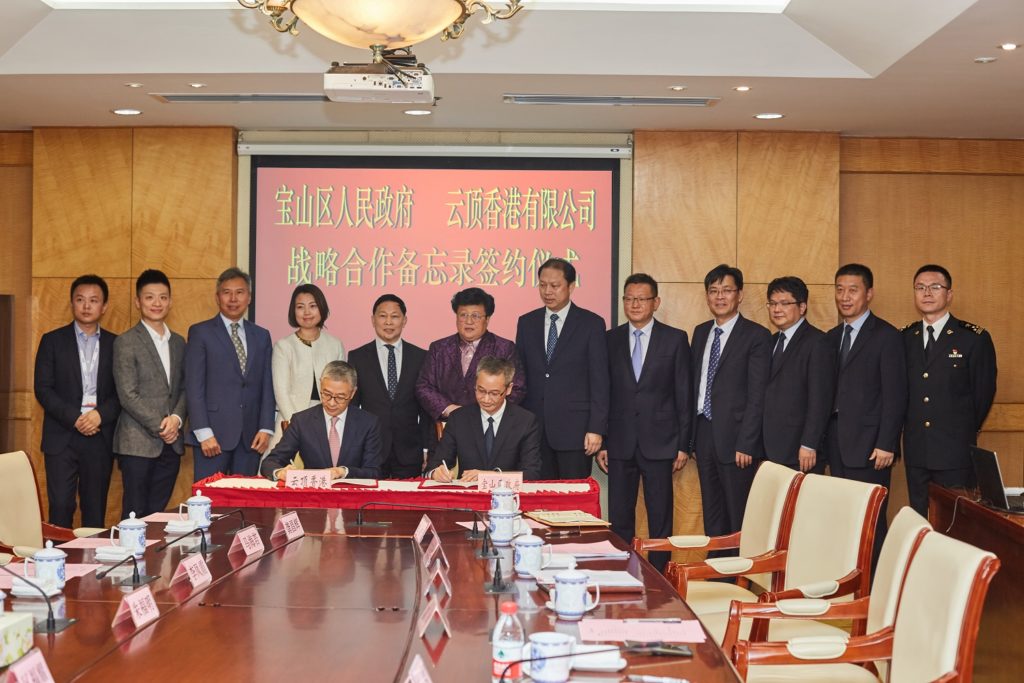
734, 336
154, 355
221, 333
791, 346
652, 345
378, 375
572, 319
347, 437
71, 340
507, 426
861, 339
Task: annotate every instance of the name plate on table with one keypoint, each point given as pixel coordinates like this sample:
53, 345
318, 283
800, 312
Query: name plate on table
423, 528
492, 480
438, 571
430, 609
289, 525
247, 540
193, 568
32, 668
139, 605
307, 479
418, 672
433, 550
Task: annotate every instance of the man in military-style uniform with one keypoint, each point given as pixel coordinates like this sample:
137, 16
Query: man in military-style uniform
951, 371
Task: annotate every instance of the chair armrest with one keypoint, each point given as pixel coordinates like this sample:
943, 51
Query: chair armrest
5, 558
695, 542
847, 585
772, 561
52, 532
86, 531
856, 609
859, 649
25, 551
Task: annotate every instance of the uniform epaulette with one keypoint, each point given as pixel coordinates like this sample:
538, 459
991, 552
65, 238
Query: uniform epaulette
976, 329
910, 326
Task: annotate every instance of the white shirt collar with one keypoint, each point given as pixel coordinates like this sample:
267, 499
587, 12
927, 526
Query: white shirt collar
228, 321
79, 332
497, 415
562, 312
646, 329
789, 332
729, 324
381, 344
859, 322
153, 333
937, 326
340, 416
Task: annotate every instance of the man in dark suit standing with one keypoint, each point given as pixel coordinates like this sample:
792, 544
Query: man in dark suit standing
730, 363
149, 369
871, 388
389, 366
229, 385
563, 351
492, 435
74, 383
951, 375
801, 383
333, 435
650, 415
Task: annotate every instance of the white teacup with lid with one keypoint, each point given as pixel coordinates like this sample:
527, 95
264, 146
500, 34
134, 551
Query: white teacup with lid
50, 565
131, 534
198, 510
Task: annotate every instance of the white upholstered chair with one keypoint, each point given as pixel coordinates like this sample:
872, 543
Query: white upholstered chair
828, 553
933, 638
766, 521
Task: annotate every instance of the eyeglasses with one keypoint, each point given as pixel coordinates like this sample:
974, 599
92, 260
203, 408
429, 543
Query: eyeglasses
630, 300
494, 394
328, 397
724, 291
781, 304
934, 288
475, 317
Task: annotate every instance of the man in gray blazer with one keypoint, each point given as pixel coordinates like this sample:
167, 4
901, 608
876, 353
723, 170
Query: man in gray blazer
149, 370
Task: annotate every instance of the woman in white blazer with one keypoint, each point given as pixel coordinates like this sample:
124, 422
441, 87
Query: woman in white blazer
300, 357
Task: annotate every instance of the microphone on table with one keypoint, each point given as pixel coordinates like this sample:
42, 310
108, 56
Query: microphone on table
486, 550
51, 625
136, 578
204, 547
231, 513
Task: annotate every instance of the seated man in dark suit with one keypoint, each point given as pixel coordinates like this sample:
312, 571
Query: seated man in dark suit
332, 435
493, 435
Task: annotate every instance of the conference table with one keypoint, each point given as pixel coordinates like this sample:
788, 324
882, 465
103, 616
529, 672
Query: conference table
239, 491
340, 602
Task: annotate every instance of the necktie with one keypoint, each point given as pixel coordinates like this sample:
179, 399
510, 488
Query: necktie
489, 438
467, 358
716, 355
638, 354
334, 441
239, 347
844, 348
780, 347
929, 343
552, 335
392, 371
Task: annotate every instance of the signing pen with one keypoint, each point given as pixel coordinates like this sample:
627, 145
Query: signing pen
655, 679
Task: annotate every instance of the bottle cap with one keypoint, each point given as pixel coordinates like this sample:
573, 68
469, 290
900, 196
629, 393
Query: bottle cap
509, 607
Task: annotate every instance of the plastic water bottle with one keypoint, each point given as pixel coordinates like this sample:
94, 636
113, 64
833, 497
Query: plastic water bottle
507, 644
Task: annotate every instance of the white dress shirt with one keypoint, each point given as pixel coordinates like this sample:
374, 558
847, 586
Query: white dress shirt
497, 417
558, 325
382, 358
727, 329
787, 334
937, 328
856, 325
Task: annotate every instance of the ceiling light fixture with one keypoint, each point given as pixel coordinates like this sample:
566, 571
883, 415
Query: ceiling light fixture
742, 88
769, 116
126, 112
372, 23
984, 60
418, 112
1008, 46
197, 85
677, 88
133, 85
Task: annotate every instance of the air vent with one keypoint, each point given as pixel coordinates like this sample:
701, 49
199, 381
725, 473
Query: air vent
612, 100
239, 97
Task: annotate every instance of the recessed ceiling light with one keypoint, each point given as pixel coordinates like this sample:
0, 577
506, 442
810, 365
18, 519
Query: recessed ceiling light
767, 116
1008, 46
418, 112
133, 85
127, 112
984, 60
197, 85
742, 88
677, 88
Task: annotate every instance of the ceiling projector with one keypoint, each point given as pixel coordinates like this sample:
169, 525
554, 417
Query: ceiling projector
380, 82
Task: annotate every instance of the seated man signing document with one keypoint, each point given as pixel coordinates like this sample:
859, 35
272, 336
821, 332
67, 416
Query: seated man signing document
492, 435
332, 435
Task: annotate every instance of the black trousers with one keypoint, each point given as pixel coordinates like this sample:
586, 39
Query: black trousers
724, 487
84, 466
919, 477
148, 482
624, 478
867, 475
574, 464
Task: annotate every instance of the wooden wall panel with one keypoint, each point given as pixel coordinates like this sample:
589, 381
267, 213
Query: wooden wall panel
897, 155
183, 201
788, 206
684, 203
15, 149
82, 202
970, 224
16, 263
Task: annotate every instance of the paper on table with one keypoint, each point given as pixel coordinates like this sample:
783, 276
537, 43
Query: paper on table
602, 549
458, 483
71, 571
242, 483
615, 630
163, 517
534, 487
97, 543
354, 482
604, 578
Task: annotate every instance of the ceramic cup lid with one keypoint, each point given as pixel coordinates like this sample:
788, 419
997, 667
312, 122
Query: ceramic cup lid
49, 552
131, 522
198, 499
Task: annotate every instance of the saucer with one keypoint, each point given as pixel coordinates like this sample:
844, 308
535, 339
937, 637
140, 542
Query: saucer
551, 606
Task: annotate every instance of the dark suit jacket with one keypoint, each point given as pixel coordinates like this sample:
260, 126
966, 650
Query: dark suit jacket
569, 394
220, 397
405, 428
442, 383
516, 445
307, 434
871, 391
798, 399
58, 387
656, 412
959, 383
737, 393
